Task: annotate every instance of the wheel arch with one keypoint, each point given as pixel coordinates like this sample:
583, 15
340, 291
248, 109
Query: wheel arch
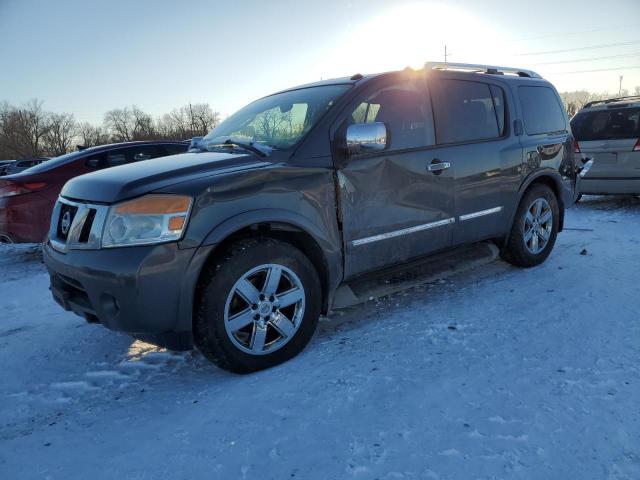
545, 177
281, 225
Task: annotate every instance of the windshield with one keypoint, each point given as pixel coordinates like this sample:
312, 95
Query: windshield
278, 121
606, 124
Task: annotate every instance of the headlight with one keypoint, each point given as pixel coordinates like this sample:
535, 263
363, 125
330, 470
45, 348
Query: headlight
145, 220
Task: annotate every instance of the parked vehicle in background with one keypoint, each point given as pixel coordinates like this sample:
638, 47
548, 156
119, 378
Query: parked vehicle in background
307, 199
21, 165
608, 132
27, 198
4, 166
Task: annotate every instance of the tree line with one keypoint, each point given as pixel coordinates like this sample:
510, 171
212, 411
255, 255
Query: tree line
574, 101
29, 131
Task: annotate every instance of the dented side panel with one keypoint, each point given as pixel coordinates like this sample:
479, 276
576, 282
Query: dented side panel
299, 196
393, 209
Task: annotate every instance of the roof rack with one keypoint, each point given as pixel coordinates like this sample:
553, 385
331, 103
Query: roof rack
611, 100
490, 69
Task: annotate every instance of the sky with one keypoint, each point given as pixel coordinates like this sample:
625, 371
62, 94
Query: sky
88, 57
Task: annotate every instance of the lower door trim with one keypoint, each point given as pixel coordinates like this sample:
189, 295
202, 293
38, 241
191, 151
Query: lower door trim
481, 213
404, 231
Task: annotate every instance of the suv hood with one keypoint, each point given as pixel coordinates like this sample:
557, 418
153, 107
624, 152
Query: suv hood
127, 181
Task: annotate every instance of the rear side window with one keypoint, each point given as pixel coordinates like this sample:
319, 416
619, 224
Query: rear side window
606, 124
541, 110
464, 111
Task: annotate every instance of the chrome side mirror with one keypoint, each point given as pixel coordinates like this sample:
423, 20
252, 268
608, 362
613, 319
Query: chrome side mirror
366, 137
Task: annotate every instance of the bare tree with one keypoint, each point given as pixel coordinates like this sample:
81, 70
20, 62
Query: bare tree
143, 128
120, 123
29, 131
62, 129
193, 119
202, 118
90, 135
574, 101
22, 130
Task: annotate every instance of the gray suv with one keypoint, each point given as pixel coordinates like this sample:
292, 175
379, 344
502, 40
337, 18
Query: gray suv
608, 132
314, 198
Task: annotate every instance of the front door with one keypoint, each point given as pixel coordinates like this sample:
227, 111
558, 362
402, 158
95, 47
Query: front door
392, 206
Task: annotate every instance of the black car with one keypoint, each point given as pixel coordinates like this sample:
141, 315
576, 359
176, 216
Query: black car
299, 202
18, 166
5, 165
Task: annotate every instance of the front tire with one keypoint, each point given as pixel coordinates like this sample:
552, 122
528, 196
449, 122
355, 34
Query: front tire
535, 228
257, 306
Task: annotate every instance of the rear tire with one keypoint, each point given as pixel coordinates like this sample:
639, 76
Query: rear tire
258, 305
535, 228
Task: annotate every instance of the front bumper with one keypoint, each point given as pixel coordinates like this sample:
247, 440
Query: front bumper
139, 290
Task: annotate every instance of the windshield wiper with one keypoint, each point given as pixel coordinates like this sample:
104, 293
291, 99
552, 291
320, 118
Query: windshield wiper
261, 150
252, 147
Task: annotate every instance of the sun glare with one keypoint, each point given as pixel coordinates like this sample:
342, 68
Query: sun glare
410, 35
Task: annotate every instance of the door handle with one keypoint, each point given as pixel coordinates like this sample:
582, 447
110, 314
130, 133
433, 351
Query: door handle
438, 167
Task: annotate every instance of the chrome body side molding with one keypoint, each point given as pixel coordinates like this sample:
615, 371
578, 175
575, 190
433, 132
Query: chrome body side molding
404, 231
481, 213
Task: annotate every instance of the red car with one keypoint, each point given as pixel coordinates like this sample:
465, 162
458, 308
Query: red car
27, 198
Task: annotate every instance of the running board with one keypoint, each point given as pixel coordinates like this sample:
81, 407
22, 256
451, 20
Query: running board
418, 272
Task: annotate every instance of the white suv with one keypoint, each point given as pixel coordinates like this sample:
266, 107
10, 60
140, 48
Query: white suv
608, 132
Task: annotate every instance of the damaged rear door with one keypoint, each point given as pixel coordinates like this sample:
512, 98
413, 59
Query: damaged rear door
394, 204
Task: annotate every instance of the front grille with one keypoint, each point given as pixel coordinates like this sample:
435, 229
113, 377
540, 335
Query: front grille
76, 225
86, 227
65, 220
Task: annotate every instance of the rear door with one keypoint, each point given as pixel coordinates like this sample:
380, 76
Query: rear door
609, 136
392, 207
472, 135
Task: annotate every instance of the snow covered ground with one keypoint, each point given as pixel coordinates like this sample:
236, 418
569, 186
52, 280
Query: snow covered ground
494, 373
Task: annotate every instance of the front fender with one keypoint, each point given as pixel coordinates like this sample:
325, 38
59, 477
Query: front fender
269, 215
330, 250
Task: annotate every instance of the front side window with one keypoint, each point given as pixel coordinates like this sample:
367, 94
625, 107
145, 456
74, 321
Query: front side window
403, 108
464, 111
541, 110
278, 121
606, 124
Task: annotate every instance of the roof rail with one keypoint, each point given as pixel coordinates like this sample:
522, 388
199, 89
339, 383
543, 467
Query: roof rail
611, 100
490, 69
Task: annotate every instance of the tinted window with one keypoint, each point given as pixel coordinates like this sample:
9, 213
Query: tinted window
403, 108
541, 110
132, 154
464, 112
606, 124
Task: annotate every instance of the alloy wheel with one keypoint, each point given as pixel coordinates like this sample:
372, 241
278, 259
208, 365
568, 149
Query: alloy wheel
264, 309
538, 225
